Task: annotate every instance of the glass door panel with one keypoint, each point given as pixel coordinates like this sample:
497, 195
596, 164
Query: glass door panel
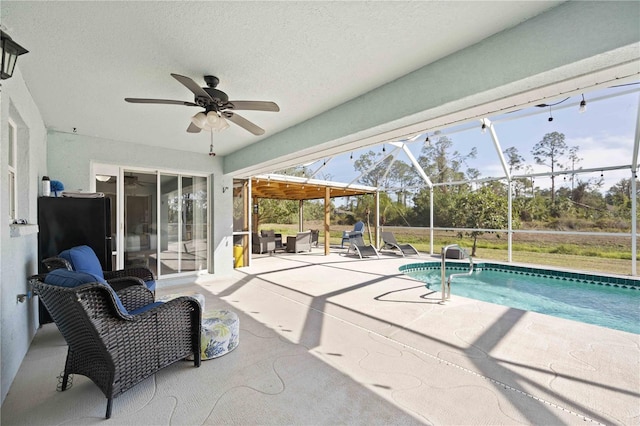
170, 207
140, 224
194, 226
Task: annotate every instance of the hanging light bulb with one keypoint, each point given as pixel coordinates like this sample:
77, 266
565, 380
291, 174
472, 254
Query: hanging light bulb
483, 128
383, 148
426, 140
351, 156
550, 116
583, 105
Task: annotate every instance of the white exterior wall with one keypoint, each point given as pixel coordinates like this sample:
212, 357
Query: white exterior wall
19, 253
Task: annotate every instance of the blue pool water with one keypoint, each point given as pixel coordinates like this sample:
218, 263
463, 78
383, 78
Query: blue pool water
604, 301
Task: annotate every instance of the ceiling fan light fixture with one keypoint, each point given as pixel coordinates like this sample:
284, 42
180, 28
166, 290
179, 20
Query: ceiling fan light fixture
216, 122
199, 119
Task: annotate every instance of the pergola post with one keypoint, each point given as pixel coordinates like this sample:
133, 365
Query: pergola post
376, 230
300, 215
327, 219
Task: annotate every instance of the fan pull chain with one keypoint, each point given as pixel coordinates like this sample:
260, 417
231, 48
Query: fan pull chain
211, 153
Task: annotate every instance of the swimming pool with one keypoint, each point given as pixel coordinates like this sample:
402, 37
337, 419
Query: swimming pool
612, 302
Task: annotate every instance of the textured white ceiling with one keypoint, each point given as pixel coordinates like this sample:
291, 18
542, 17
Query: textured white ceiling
86, 57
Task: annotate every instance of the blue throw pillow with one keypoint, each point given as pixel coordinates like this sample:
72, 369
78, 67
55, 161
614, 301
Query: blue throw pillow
71, 279
83, 259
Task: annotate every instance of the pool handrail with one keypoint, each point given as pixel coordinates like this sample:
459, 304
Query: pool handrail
447, 295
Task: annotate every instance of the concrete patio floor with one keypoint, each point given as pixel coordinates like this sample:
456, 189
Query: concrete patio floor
338, 340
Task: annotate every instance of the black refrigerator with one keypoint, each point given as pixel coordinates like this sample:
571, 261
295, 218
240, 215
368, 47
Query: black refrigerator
66, 222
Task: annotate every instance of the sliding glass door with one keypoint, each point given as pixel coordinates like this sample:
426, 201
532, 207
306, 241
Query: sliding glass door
162, 221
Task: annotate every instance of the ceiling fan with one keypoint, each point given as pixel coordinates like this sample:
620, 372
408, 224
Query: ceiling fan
217, 106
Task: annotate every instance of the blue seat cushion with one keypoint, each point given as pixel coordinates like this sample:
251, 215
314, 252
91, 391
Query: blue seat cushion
151, 285
71, 279
83, 259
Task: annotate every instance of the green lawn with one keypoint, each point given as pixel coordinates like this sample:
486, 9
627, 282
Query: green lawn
587, 253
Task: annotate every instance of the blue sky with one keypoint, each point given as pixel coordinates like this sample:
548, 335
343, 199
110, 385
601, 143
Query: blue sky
604, 133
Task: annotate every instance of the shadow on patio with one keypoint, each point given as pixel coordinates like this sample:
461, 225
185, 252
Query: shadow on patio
328, 340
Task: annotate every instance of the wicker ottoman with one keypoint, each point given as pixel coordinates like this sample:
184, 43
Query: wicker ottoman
220, 333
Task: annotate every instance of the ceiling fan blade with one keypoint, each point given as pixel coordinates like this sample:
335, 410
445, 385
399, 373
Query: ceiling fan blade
254, 105
244, 123
193, 128
158, 101
191, 85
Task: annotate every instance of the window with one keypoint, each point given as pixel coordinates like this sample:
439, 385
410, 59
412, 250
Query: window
12, 181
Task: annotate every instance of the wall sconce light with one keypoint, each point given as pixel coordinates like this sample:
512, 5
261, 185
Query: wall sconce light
225, 189
10, 52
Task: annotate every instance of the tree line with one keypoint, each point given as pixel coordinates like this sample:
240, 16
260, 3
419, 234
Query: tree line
580, 204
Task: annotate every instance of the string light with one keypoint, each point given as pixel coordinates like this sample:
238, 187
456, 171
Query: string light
550, 116
351, 157
483, 128
583, 105
383, 148
427, 139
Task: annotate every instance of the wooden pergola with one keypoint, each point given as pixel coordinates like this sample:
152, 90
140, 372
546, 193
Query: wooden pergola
280, 187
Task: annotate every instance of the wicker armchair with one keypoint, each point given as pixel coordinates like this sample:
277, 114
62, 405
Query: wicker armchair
301, 242
260, 244
119, 339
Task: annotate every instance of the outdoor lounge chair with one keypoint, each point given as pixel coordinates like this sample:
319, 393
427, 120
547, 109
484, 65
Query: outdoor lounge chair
117, 339
358, 228
390, 243
357, 246
301, 242
260, 244
276, 237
